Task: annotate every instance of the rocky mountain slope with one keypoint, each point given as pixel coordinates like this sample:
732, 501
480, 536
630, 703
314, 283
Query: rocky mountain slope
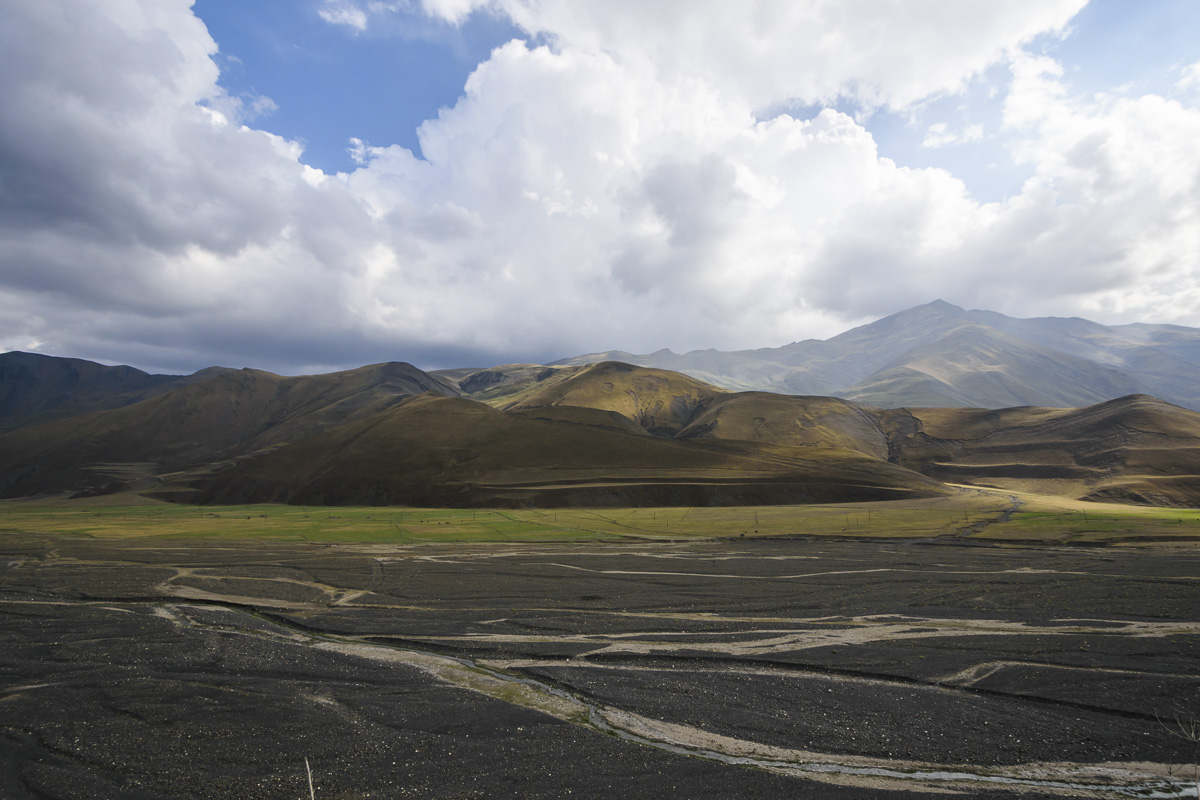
941, 355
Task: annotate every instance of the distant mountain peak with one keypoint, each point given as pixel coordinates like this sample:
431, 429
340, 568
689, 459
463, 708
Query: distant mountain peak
942, 305
938, 354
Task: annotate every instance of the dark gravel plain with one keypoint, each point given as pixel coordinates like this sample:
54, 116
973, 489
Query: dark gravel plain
972, 656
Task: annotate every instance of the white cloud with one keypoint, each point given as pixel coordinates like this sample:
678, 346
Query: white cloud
764, 52
1189, 77
613, 188
344, 12
451, 10
359, 15
940, 135
1116, 193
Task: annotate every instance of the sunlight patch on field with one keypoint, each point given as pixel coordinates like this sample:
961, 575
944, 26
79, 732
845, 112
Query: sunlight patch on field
980, 514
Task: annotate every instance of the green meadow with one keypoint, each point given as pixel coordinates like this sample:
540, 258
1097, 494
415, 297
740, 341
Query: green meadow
973, 514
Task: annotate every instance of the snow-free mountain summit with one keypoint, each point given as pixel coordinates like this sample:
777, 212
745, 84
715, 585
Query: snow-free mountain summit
1073, 420
940, 355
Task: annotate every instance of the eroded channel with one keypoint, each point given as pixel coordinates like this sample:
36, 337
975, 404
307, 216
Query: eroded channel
1141, 779
876, 668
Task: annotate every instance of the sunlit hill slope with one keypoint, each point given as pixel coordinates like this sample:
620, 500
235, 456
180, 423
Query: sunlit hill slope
601, 434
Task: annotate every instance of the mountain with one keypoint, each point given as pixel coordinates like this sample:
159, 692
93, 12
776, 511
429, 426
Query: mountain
506, 384
228, 414
457, 452
931, 396
720, 448
1135, 449
817, 422
35, 388
604, 434
941, 355
935, 355
974, 363
659, 401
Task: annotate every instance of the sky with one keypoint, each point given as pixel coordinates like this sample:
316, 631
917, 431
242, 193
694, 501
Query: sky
311, 185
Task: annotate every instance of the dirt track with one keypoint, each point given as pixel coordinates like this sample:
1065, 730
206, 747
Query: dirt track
206, 669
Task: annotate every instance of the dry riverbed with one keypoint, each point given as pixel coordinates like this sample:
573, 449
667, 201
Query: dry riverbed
736, 668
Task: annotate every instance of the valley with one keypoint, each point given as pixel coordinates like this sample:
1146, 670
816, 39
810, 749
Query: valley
190, 656
605, 579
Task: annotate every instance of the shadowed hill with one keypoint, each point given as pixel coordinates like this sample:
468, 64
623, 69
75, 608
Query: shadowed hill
604, 434
581, 415
509, 384
1133, 449
229, 414
36, 388
457, 452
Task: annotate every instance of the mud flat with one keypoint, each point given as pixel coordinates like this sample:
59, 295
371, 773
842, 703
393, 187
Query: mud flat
736, 668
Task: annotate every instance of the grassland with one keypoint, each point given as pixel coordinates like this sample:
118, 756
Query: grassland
150, 646
974, 514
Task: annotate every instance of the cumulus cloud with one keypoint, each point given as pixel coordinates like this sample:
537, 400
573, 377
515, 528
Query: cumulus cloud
1117, 195
878, 54
764, 51
611, 182
940, 135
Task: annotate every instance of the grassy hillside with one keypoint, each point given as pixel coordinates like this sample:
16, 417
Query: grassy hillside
785, 420
1133, 449
661, 402
36, 388
227, 415
607, 434
510, 384
457, 452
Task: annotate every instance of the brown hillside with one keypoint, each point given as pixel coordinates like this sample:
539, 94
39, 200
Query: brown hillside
793, 421
661, 402
509, 384
1134, 449
607, 434
457, 452
229, 414
579, 415
35, 388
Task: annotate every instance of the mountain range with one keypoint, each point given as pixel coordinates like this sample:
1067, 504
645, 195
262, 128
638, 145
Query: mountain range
939, 355
594, 434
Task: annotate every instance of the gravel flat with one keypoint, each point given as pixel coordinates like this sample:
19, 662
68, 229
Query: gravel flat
189, 669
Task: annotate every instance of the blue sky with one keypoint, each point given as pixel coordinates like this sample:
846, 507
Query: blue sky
332, 83
318, 184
